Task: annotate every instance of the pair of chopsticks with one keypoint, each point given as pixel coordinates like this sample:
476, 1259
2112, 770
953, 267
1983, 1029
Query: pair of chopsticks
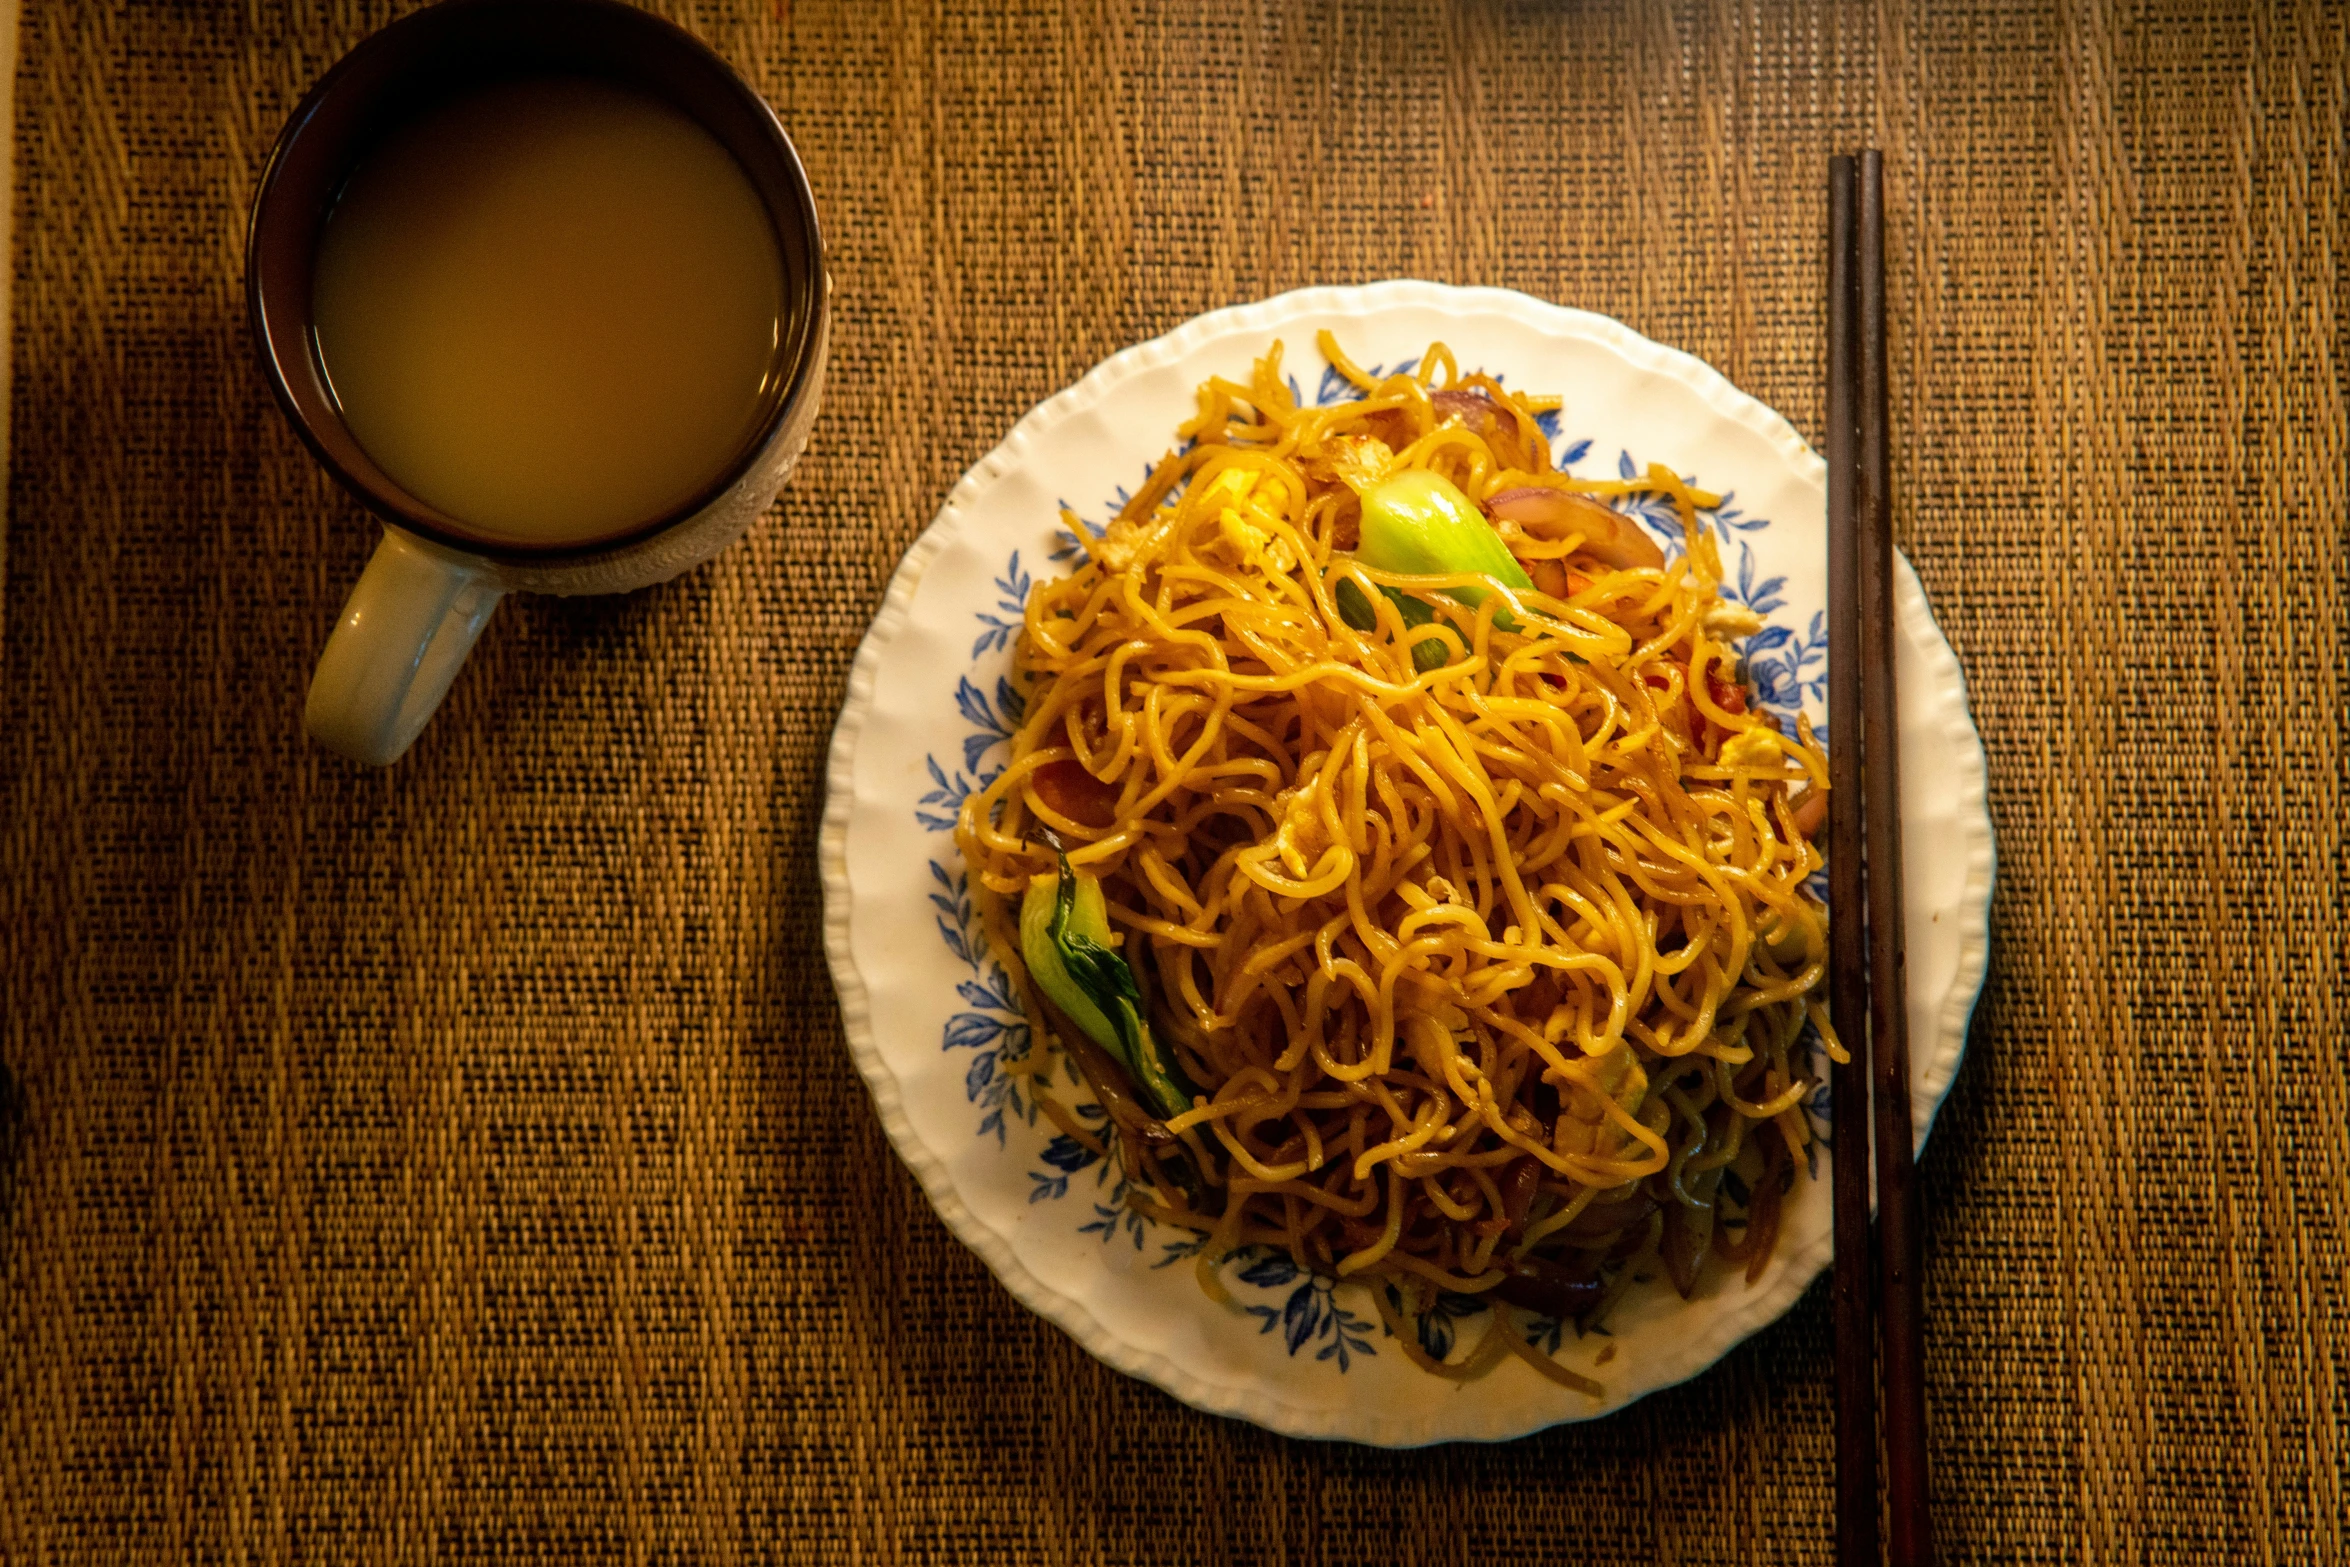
1867, 966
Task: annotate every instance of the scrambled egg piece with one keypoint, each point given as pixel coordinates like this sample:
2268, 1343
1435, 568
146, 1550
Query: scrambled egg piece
1757, 748
1247, 523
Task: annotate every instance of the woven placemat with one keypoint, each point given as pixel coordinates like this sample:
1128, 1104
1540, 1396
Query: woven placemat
461, 1161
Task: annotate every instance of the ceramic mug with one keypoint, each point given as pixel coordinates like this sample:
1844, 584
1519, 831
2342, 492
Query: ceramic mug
434, 580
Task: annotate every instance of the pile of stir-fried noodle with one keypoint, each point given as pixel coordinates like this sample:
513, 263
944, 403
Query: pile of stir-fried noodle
1490, 972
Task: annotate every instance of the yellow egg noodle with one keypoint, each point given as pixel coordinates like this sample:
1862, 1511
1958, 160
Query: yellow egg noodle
1474, 919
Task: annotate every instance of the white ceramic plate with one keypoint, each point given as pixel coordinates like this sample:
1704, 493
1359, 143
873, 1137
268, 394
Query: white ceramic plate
928, 1014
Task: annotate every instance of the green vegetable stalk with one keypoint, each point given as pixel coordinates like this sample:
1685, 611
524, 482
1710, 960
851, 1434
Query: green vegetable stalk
1064, 938
1418, 524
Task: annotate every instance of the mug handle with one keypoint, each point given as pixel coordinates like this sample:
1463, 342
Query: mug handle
406, 627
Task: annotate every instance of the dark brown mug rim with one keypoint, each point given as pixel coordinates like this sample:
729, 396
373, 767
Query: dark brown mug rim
339, 451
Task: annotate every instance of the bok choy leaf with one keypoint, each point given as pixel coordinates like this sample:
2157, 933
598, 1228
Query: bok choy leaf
1417, 523
1065, 940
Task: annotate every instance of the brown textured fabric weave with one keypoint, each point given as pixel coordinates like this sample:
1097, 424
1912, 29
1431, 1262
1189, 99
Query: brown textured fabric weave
461, 1162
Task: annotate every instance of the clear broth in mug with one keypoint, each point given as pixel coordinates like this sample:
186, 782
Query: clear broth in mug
550, 309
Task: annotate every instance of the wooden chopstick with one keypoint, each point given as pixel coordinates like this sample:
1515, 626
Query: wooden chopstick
1848, 976
1900, 1242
